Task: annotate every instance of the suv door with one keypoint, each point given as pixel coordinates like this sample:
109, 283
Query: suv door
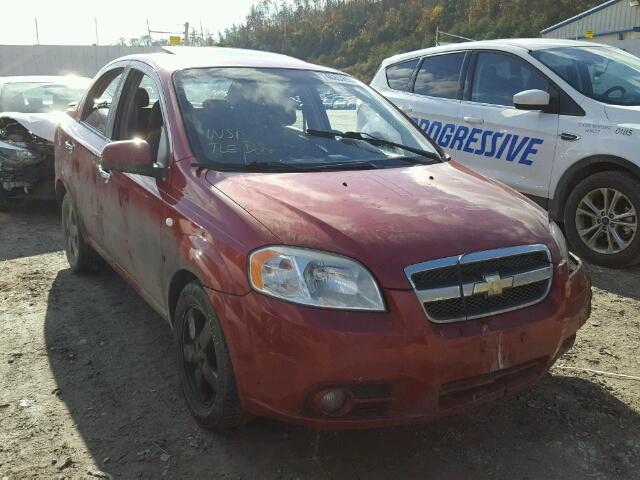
132, 203
83, 141
428, 90
514, 146
434, 97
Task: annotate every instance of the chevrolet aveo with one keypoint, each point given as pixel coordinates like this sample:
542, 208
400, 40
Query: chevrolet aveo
319, 268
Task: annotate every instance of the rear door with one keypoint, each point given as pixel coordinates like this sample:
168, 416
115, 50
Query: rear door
514, 146
435, 99
428, 90
83, 141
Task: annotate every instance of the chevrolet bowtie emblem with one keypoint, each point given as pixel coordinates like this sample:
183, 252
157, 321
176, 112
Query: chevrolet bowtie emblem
493, 285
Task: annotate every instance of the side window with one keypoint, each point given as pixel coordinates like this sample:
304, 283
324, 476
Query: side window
140, 114
439, 75
499, 77
150, 87
399, 75
100, 101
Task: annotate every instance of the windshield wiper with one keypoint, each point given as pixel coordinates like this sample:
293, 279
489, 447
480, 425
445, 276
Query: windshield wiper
255, 166
355, 165
367, 137
274, 166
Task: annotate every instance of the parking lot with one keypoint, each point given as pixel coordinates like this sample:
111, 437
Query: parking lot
88, 389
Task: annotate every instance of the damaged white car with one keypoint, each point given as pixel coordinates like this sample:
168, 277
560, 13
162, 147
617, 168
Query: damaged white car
29, 112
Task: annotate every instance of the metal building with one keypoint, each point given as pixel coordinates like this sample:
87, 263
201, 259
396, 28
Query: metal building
61, 59
616, 22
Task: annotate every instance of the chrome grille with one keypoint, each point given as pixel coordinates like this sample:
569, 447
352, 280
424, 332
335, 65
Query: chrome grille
480, 284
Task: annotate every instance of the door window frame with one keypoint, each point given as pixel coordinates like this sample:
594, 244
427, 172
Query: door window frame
163, 95
143, 69
124, 67
555, 91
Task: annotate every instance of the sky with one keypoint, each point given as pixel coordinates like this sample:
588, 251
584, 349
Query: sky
71, 22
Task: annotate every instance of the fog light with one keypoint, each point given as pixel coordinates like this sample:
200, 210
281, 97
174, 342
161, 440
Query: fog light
332, 400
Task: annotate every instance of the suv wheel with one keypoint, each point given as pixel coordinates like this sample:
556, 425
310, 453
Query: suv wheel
204, 365
601, 219
81, 257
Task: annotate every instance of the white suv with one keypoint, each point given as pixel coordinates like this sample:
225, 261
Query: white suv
557, 120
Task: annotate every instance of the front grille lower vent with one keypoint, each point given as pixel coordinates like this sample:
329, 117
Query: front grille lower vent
483, 283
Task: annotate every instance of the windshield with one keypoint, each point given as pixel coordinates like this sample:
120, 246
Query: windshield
40, 97
243, 118
608, 75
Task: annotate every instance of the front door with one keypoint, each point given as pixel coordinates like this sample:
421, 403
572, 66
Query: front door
514, 146
132, 204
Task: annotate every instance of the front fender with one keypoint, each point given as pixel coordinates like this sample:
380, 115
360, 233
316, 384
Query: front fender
209, 235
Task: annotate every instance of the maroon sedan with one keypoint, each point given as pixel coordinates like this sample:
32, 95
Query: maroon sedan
325, 267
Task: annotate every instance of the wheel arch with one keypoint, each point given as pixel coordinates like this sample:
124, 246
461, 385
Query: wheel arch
583, 169
179, 280
60, 190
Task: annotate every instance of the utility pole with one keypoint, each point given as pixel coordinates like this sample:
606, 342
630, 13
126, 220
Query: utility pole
149, 33
37, 33
97, 39
186, 33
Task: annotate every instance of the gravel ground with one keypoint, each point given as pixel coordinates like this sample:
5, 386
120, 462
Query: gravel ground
88, 389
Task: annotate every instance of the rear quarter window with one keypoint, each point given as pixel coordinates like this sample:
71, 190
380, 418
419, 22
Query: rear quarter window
399, 75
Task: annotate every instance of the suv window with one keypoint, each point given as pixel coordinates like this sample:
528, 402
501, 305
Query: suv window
100, 100
399, 75
604, 74
439, 76
499, 77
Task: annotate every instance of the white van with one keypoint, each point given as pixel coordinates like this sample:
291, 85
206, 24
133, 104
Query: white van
557, 120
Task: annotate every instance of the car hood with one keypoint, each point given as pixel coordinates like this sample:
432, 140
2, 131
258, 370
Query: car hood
42, 125
624, 116
388, 218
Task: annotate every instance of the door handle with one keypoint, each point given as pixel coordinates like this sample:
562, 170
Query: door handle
477, 120
569, 137
406, 108
105, 175
69, 145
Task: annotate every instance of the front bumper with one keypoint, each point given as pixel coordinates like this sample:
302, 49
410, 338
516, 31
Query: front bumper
397, 367
40, 177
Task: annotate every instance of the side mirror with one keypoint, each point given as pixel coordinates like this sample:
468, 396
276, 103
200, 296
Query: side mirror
531, 100
130, 156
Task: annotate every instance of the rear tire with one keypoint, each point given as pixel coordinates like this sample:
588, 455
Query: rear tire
204, 364
601, 219
81, 257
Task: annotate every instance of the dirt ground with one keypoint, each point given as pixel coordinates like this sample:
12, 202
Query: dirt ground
88, 389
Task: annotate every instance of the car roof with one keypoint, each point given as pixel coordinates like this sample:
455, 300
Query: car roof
42, 79
180, 58
525, 44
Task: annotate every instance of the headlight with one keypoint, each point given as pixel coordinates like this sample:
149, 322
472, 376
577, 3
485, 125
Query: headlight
16, 157
310, 277
561, 242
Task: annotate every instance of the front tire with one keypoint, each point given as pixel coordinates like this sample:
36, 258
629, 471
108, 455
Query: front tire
601, 219
81, 257
204, 364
